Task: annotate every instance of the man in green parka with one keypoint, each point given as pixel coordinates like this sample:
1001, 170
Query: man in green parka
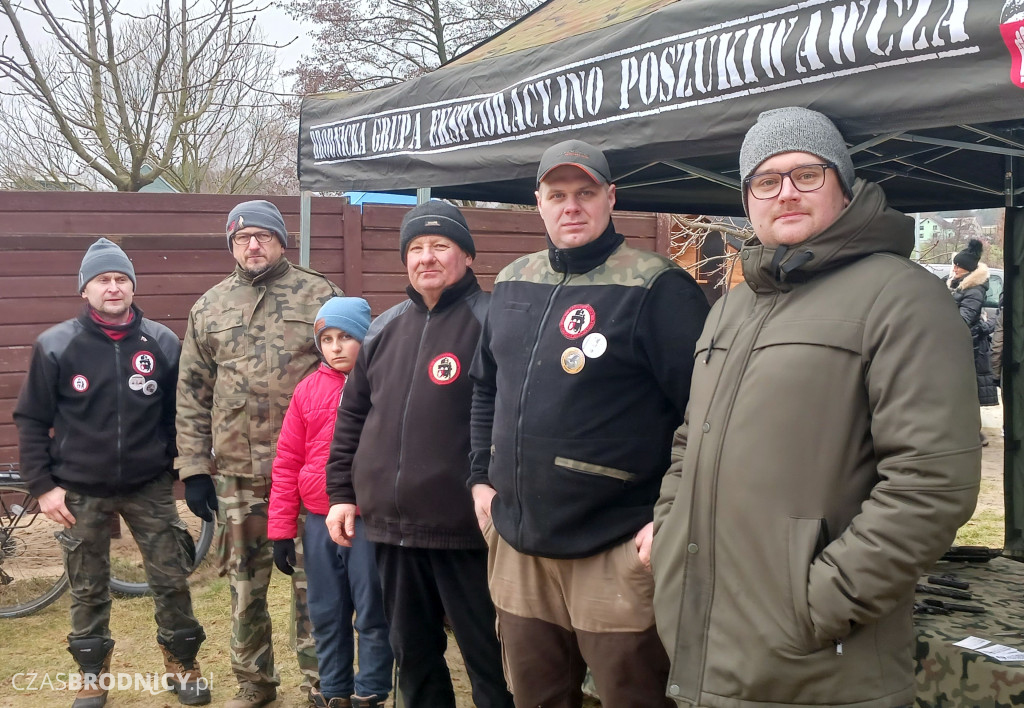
830, 448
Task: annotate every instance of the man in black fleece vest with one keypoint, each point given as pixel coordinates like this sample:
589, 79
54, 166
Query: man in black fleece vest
581, 377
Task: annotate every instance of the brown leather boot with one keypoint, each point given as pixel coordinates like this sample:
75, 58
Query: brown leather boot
253, 695
186, 680
93, 657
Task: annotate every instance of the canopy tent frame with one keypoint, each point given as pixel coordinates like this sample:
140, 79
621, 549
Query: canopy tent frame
927, 92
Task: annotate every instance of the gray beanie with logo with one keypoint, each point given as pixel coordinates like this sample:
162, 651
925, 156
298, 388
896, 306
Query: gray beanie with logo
258, 212
436, 218
795, 129
104, 256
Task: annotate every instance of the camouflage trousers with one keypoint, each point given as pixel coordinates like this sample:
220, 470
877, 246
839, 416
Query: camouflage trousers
162, 537
246, 556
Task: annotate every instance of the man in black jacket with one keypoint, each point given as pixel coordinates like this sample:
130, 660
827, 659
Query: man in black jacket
582, 375
401, 452
104, 382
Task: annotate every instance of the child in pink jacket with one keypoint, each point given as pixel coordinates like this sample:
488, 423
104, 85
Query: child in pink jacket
341, 581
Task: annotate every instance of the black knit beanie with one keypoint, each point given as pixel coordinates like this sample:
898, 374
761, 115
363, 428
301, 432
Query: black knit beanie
969, 258
436, 218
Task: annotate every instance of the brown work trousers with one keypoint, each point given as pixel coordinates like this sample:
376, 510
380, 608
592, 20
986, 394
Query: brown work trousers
557, 617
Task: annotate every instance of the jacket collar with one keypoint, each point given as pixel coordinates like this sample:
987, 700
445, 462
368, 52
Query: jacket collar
85, 317
326, 368
978, 276
586, 257
466, 286
867, 225
268, 276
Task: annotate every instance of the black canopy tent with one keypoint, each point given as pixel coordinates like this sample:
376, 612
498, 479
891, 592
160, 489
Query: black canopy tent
929, 93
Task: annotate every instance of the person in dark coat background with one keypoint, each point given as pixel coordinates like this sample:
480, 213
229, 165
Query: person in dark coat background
969, 285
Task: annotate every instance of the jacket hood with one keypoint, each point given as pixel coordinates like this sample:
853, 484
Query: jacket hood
978, 276
866, 226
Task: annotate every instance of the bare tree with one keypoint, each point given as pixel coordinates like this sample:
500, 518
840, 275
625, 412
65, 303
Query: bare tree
183, 92
691, 239
364, 44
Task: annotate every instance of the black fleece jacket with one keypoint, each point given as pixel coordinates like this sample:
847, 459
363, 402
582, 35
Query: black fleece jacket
401, 439
581, 377
110, 405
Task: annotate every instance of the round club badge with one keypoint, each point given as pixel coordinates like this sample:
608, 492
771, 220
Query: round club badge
573, 360
445, 368
577, 321
149, 388
594, 345
79, 383
136, 382
143, 363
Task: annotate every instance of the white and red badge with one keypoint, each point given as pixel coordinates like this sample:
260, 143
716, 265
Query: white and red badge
144, 363
444, 369
577, 321
80, 383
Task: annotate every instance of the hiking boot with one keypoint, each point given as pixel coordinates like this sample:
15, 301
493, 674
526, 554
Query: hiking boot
373, 701
186, 680
253, 695
316, 698
93, 657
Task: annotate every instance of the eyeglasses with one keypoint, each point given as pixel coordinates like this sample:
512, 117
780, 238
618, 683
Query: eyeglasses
806, 178
241, 239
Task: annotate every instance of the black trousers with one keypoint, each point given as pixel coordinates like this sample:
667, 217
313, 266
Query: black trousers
422, 586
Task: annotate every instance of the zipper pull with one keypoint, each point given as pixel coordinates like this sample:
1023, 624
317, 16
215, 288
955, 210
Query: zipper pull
839, 647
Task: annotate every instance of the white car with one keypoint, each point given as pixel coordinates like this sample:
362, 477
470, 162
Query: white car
995, 284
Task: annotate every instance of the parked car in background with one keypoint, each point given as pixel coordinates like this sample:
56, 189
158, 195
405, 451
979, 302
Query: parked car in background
995, 284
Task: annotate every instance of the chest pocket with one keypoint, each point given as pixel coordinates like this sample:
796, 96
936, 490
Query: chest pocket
297, 328
718, 342
847, 335
225, 335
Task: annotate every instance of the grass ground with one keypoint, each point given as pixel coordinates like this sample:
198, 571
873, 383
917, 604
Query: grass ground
37, 644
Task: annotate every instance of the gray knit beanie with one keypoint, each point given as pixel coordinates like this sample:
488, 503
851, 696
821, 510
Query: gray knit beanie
795, 129
104, 257
436, 218
258, 212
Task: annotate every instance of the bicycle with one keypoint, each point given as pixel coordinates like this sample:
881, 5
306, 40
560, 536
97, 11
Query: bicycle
31, 560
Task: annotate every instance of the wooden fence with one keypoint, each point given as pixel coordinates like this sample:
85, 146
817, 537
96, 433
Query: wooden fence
177, 245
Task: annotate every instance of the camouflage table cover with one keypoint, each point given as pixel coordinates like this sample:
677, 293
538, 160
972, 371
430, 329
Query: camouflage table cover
950, 676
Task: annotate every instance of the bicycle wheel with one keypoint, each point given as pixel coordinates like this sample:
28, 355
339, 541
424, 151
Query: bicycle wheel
31, 559
127, 573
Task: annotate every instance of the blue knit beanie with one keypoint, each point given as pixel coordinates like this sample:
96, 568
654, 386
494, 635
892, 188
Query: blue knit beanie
349, 314
104, 256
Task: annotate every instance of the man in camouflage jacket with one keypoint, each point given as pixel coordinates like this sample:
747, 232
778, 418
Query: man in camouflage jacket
581, 376
247, 345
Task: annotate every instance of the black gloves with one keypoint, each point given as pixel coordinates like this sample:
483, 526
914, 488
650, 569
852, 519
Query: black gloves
200, 496
284, 555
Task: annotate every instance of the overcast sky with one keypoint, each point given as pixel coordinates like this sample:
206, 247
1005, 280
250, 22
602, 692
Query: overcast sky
278, 26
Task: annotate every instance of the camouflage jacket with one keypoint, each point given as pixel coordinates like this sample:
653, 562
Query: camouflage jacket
247, 344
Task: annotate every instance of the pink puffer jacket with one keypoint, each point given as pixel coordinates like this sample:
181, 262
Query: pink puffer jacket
302, 451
